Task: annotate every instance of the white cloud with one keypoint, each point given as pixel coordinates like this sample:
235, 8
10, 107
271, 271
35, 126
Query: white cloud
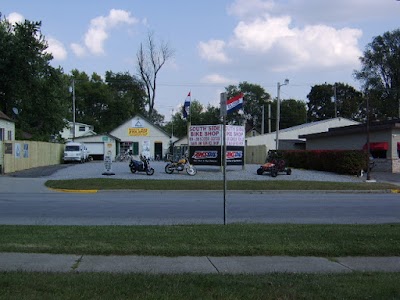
78, 50
57, 49
99, 31
294, 48
15, 17
267, 38
213, 50
217, 79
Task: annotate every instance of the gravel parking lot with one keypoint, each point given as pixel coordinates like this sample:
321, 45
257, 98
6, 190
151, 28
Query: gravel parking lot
95, 169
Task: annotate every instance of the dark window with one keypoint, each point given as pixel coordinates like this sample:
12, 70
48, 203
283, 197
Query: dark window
82, 128
135, 148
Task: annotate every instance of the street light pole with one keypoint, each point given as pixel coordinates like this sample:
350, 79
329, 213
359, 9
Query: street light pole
278, 113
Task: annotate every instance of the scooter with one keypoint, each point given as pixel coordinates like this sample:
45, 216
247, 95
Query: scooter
181, 165
141, 166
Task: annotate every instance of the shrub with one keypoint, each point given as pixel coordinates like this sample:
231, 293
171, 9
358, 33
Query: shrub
338, 161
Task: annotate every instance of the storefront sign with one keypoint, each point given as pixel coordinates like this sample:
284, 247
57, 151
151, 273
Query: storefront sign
138, 131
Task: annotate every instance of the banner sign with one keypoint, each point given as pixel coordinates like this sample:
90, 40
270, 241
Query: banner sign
212, 135
138, 131
235, 135
212, 155
205, 135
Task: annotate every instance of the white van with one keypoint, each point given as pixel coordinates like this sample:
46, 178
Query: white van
74, 152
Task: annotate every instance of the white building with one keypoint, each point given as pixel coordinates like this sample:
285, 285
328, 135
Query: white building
289, 137
81, 129
141, 136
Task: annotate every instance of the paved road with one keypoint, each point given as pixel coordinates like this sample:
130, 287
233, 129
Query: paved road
200, 207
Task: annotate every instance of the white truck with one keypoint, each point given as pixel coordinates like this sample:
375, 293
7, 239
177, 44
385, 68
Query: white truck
74, 152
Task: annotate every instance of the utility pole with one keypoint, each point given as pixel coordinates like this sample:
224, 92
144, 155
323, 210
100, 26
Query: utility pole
73, 109
278, 113
335, 99
262, 122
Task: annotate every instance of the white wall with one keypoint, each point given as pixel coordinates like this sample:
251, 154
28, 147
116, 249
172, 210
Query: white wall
140, 130
293, 133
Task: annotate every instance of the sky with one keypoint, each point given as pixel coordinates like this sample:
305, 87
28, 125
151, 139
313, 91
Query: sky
216, 43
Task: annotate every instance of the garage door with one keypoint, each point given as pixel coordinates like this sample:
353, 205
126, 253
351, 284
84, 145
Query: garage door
95, 148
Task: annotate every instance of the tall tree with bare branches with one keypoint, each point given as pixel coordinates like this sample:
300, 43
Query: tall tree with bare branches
151, 57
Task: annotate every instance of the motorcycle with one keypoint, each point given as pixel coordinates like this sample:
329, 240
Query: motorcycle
181, 165
141, 166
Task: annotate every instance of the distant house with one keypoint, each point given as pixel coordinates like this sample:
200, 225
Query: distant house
384, 142
7, 128
289, 138
81, 129
7, 133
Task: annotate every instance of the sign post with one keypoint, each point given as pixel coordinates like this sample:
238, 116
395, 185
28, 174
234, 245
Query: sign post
223, 113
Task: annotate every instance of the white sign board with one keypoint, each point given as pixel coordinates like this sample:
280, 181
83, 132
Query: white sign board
235, 135
205, 135
211, 135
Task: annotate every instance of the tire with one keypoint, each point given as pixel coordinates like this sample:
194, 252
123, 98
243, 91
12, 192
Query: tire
150, 171
191, 171
289, 171
169, 169
133, 169
260, 171
274, 173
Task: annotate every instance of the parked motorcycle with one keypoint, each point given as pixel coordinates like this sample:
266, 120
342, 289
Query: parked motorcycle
141, 166
181, 165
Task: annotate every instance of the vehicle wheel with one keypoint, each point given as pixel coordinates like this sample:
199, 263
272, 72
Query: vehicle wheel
191, 171
289, 171
169, 169
260, 171
150, 171
133, 170
274, 173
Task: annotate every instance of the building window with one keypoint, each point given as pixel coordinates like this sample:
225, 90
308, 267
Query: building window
9, 135
1, 134
82, 128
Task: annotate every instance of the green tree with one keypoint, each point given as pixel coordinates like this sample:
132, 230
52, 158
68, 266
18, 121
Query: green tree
29, 83
321, 105
293, 112
380, 74
92, 98
255, 97
127, 97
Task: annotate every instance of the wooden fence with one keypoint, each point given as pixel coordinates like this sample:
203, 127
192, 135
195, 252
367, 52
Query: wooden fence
22, 155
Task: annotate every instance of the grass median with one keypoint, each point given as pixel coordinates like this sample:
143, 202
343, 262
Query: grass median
206, 240
16, 285
246, 185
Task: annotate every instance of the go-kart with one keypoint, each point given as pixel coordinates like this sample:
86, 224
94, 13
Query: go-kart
274, 167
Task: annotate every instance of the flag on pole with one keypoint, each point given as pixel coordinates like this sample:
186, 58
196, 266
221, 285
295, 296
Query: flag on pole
186, 107
234, 103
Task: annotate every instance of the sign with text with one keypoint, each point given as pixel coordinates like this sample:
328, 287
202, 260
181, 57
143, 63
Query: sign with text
212, 155
205, 135
138, 131
235, 135
212, 135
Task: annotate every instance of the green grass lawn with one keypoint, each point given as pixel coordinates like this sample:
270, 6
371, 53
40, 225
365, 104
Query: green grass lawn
15, 285
143, 184
206, 240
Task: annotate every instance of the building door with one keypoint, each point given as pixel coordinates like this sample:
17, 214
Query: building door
157, 150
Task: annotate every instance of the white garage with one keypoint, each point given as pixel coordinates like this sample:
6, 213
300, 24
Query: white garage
99, 145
